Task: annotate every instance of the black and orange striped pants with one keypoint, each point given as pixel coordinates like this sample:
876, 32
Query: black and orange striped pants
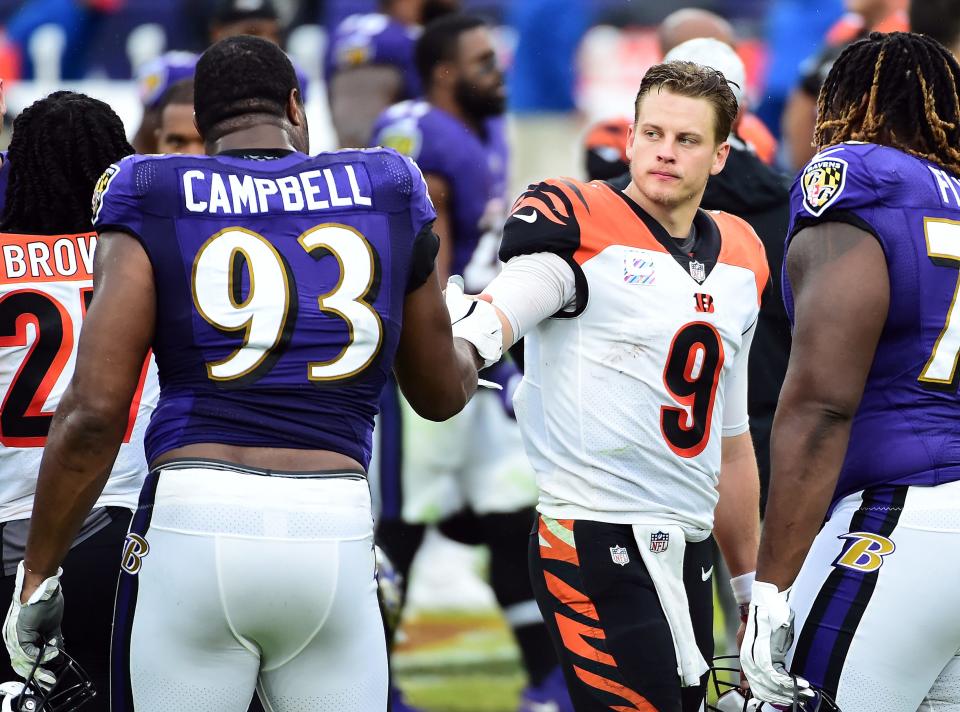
605, 619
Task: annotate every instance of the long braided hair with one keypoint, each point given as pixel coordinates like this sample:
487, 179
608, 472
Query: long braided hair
61, 145
899, 90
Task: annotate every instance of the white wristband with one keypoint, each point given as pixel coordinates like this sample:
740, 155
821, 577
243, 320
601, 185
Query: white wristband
742, 585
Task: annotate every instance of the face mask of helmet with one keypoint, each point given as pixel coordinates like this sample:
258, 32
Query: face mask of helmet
723, 685
71, 690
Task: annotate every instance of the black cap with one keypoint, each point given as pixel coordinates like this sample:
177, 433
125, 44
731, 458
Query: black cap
228, 11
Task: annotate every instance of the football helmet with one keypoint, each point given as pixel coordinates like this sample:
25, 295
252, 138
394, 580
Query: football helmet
724, 688
72, 688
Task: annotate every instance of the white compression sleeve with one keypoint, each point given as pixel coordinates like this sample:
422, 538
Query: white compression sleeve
531, 288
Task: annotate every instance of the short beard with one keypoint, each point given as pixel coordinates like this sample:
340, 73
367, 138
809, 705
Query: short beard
670, 200
478, 106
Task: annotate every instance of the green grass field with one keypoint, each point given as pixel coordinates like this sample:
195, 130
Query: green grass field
456, 661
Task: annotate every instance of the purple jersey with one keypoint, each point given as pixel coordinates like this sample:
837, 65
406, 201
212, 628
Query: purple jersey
280, 283
905, 431
476, 172
362, 40
158, 75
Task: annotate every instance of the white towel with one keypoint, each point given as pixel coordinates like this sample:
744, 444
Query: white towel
662, 547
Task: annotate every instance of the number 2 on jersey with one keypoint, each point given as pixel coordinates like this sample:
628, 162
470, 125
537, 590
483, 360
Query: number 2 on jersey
23, 422
691, 377
943, 247
267, 314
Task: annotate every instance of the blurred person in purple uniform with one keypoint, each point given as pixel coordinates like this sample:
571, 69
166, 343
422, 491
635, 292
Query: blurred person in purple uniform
369, 63
257, 18
469, 475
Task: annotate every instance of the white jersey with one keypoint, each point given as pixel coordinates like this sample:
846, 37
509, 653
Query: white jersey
45, 287
622, 404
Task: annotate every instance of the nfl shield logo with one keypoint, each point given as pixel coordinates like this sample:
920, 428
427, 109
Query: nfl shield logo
659, 541
697, 270
619, 555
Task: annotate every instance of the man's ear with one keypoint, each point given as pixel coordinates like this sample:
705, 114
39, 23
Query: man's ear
295, 107
720, 158
631, 135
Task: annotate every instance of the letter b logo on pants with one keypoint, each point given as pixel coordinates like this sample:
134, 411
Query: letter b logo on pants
864, 552
134, 549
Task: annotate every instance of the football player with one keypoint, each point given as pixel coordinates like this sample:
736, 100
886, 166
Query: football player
277, 291
866, 434
61, 144
450, 474
637, 311
177, 132
369, 63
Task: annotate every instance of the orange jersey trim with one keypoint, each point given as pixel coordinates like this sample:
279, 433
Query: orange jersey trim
740, 247
603, 217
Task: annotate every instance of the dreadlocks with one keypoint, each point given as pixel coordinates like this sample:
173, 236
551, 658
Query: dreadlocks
899, 90
61, 145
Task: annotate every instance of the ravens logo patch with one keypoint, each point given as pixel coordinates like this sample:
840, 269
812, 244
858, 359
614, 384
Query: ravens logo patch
404, 137
823, 181
100, 189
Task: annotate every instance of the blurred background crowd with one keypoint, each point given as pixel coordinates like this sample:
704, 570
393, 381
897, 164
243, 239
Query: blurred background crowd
569, 63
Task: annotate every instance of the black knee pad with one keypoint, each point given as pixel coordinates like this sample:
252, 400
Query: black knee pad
400, 541
506, 535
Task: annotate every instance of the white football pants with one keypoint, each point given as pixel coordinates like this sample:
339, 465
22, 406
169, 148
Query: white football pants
877, 621
235, 580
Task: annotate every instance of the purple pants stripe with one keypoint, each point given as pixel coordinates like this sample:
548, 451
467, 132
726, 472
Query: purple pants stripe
829, 629
121, 694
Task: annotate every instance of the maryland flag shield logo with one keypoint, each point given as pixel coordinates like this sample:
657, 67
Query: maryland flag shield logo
823, 181
100, 189
404, 137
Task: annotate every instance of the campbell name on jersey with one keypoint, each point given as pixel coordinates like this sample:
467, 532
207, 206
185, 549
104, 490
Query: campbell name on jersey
46, 285
622, 400
280, 285
906, 430
476, 173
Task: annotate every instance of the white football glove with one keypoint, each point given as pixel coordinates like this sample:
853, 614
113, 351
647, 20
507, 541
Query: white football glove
768, 637
474, 320
34, 625
9, 692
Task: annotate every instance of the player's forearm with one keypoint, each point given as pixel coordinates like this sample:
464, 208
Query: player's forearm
440, 389
808, 443
737, 518
81, 448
